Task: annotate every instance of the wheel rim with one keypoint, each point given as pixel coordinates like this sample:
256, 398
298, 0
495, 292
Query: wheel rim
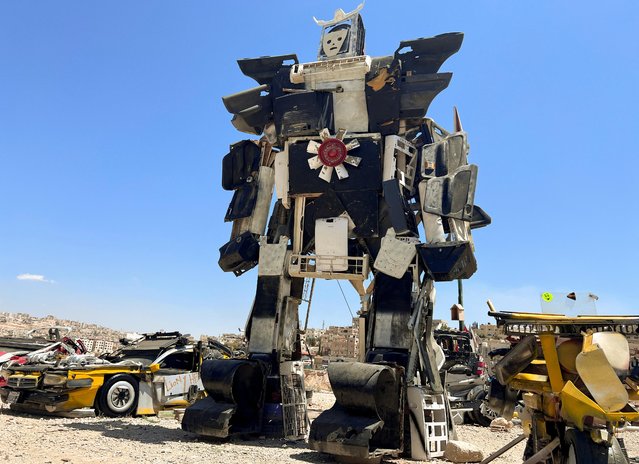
120, 396
487, 412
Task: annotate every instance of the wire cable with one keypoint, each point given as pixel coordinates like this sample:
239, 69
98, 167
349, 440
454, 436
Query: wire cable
345, 300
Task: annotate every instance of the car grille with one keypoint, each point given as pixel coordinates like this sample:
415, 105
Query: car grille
22, 381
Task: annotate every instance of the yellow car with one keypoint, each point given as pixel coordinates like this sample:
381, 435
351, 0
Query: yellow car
158, 371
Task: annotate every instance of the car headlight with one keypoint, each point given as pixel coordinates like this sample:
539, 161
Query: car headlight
79, 383
54, 380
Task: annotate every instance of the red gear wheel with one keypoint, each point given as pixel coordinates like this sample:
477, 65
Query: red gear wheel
332, 152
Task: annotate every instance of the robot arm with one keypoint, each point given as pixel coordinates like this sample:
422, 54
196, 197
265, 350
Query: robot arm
248, 171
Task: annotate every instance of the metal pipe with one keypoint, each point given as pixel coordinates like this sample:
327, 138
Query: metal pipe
460, 300
504, 448
542, 453
308, 308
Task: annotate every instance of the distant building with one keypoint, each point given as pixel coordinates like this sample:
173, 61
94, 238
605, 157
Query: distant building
489, 331
311, 339
341, 342
234, 341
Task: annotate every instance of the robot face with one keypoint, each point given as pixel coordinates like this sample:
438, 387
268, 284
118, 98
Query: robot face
334, 40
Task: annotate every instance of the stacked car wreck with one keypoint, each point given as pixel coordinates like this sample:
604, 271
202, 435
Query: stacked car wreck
356, 168
159, 370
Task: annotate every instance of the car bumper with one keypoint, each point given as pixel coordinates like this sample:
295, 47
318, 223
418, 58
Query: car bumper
59, 401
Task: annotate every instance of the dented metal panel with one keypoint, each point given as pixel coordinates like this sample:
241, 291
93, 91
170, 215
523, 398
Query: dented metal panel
146, 404
446, 156
426, 55
256, 221
235, 389
366, 420
180, 384
270, 295
239, 254
243, 201
303, 113
272, 257
253, 106
452, 195
382, 95
392, 299
264, 68
448, 261
395, 255
401, 216
240, 164
281, 177
418, 91
288, 327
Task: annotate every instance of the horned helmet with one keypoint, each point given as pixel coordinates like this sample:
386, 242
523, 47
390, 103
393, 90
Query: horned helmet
342, 36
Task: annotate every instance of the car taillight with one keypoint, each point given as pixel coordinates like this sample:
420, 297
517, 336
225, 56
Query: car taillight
480, 367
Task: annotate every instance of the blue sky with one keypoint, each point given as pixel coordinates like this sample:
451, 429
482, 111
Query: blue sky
112, 133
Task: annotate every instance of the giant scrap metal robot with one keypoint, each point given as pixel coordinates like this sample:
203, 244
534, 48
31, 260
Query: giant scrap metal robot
356, 168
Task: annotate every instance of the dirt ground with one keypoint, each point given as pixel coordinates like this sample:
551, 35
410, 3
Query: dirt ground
95, 440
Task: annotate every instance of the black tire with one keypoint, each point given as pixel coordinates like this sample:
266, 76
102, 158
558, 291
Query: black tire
483, 415
118, 397
580, 449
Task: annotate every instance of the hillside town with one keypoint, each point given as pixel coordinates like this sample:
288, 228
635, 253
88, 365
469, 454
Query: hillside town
330, 343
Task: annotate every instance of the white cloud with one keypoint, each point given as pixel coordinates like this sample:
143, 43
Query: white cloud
33, 277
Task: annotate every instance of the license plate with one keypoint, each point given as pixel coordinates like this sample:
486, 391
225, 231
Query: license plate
13, 397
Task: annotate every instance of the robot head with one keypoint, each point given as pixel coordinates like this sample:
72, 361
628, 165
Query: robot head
335, 40
342, 36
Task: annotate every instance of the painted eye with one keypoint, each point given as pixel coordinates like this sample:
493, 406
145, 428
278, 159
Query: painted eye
339, 39
329, 42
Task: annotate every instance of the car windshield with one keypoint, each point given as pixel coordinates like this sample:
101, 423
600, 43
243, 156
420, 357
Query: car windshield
569, 303
182, 360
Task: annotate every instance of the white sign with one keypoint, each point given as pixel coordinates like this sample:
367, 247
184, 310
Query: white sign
179, 384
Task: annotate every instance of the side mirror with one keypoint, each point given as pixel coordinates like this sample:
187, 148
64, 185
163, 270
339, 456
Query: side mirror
154, 367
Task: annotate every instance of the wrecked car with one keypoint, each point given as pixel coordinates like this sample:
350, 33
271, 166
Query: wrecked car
33, 340
465, 376
54, 350
157, 371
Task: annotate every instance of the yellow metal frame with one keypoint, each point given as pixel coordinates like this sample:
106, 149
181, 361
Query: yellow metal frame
563, 319
537, 383
576, 406
548, 345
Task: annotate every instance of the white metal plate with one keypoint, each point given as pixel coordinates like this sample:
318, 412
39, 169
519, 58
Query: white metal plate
395, 256
331, 239
179, 384
272, 257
